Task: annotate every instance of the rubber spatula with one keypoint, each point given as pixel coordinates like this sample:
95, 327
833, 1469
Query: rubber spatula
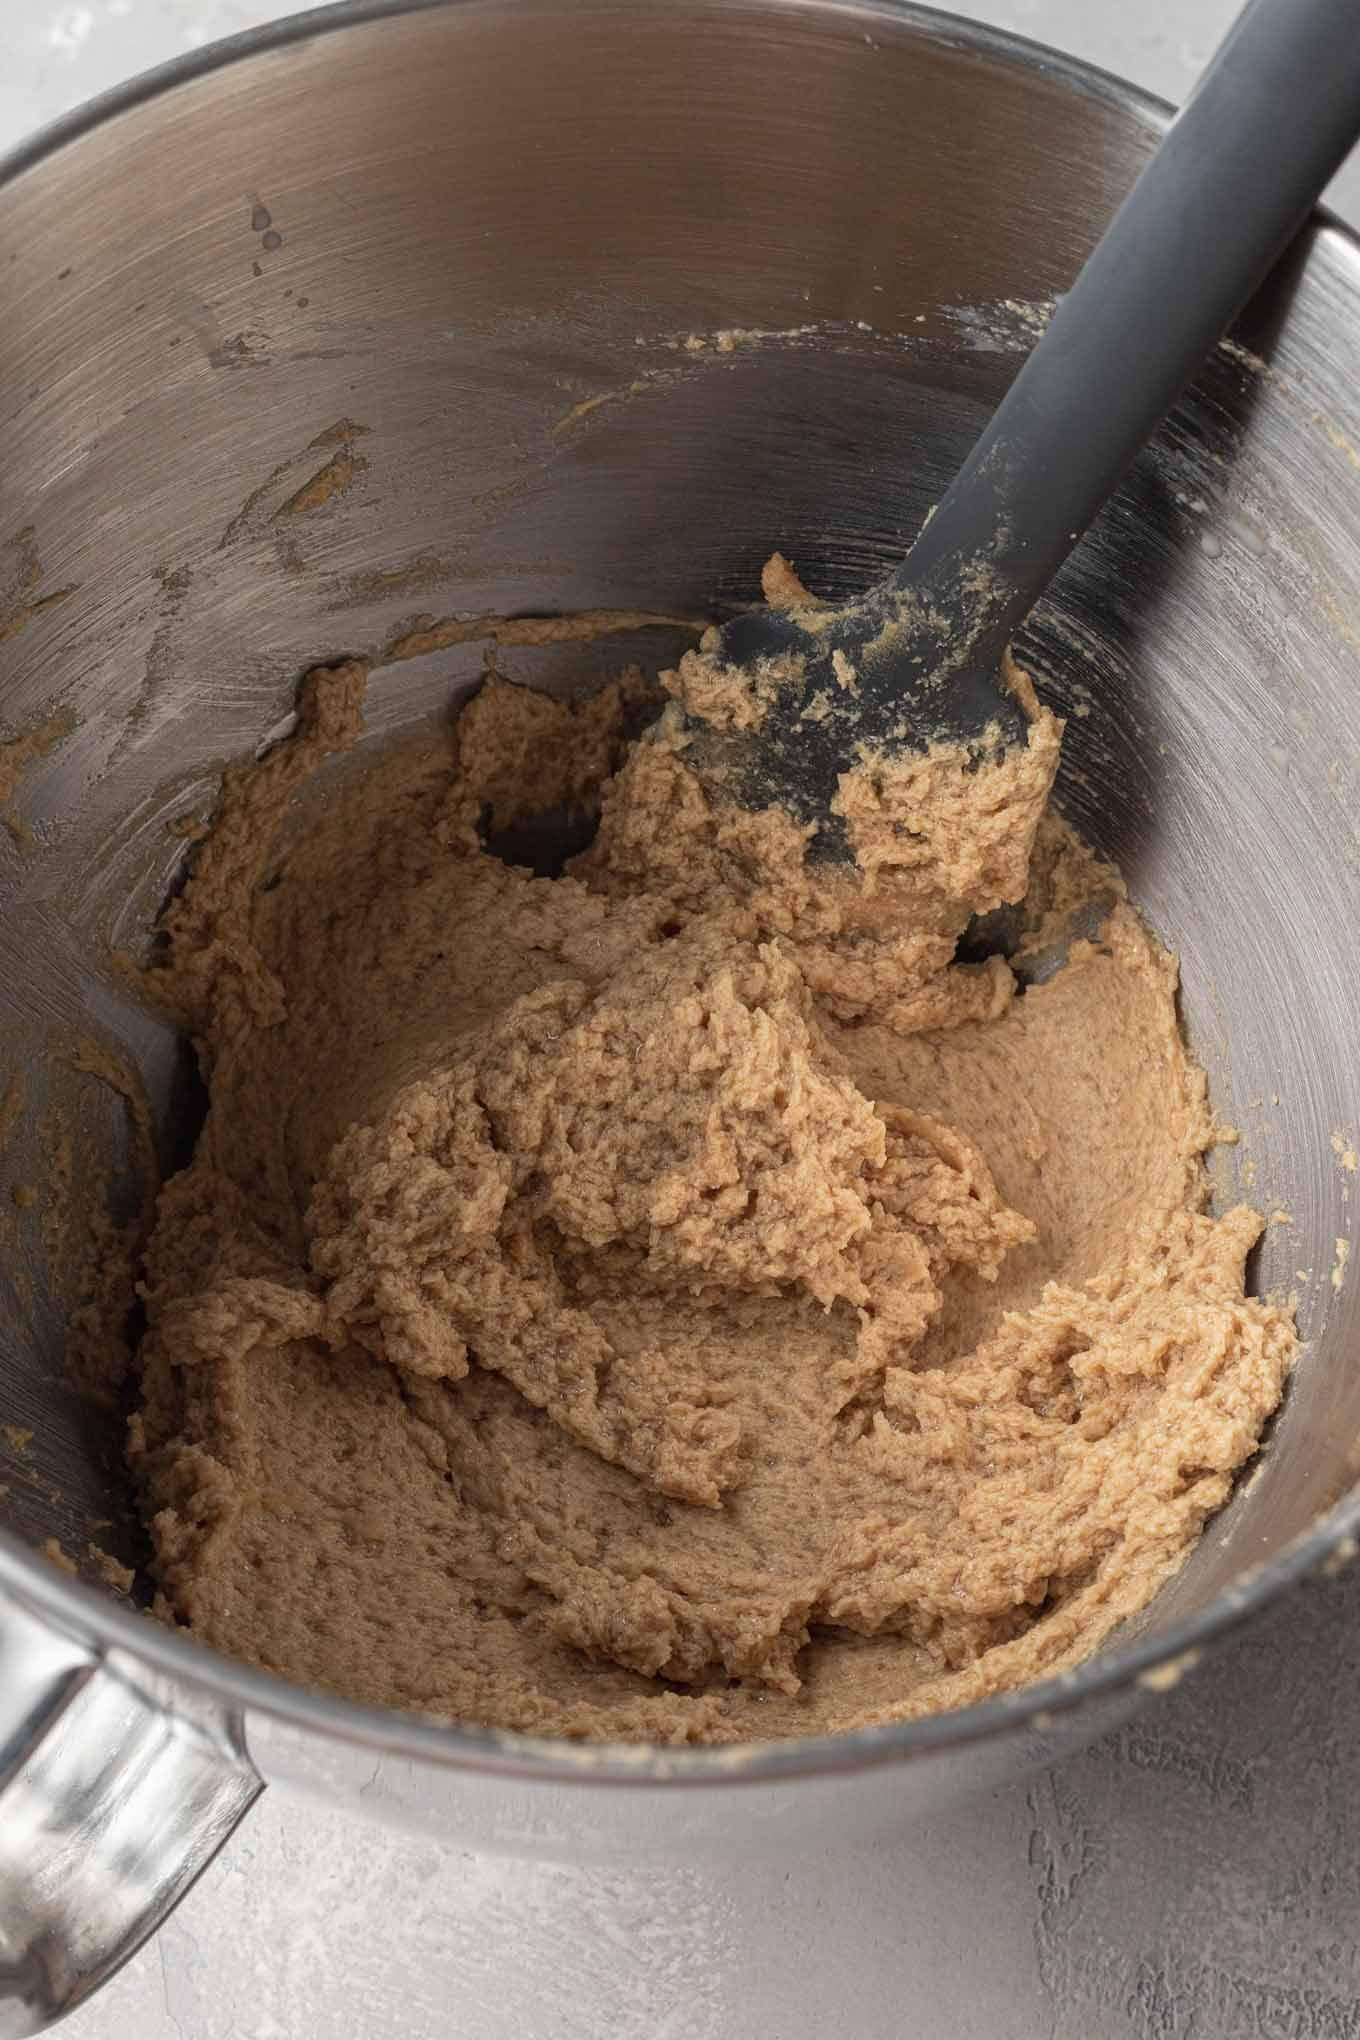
1235, 176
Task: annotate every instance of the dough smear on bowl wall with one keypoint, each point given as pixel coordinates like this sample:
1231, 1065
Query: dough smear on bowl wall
676, 1299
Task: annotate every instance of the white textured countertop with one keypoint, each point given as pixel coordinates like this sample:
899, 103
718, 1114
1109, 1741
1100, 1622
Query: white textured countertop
1198, 1878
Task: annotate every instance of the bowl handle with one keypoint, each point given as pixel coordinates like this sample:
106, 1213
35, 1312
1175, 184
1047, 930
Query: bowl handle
116, 1788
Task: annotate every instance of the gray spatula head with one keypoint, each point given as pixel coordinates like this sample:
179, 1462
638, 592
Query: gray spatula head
815, 693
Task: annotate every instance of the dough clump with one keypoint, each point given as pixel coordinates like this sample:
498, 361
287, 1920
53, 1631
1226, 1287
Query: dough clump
674, 1300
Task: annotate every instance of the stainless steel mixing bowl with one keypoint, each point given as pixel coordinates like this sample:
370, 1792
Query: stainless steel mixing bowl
490, 249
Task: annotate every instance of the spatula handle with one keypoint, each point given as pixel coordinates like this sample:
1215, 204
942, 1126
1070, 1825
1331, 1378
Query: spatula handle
1235, 176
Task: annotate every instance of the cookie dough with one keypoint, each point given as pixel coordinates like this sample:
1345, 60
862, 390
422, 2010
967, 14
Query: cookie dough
674, 1300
